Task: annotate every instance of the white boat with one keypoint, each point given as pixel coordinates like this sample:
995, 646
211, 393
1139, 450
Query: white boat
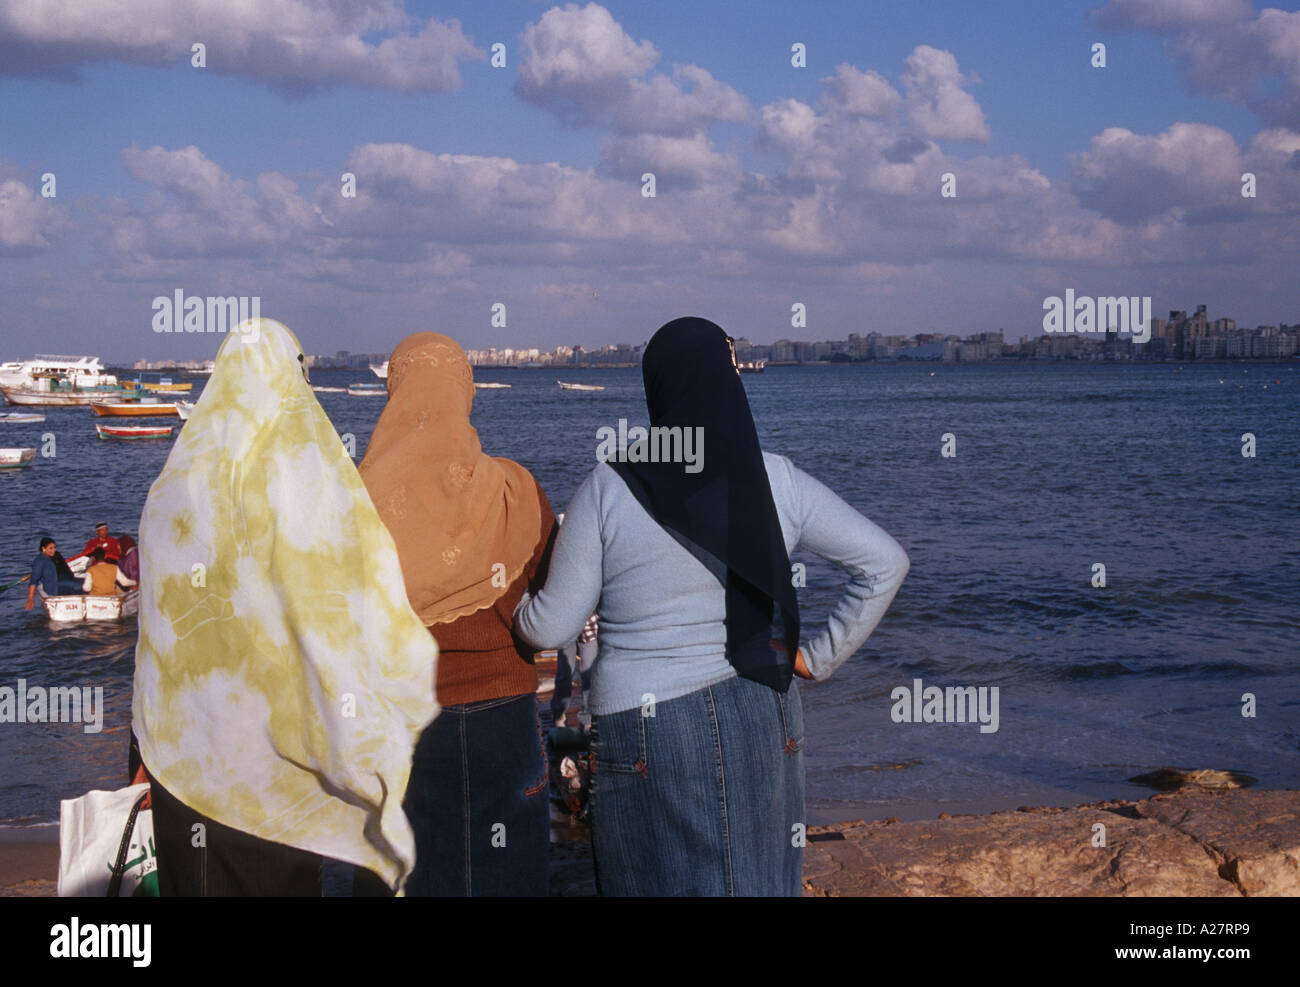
491, 386
184, 409
368, 390
66, 609
580, 387
752, 366
329, 390
75, 371
57, 396
380, 370
19, 418
13, 458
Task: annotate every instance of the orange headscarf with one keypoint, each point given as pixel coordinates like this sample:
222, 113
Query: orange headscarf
465, 523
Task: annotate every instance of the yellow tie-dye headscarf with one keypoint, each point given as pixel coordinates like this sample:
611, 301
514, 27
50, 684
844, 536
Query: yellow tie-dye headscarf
281, 676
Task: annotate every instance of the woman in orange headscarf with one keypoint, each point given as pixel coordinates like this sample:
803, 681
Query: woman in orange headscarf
473, 532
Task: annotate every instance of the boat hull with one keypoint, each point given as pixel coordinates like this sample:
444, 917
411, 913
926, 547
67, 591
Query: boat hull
133, 410
70, 609
14, 458
15, 418
134, 431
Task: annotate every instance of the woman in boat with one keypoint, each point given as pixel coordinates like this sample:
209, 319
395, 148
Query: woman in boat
473, 533
697, 782
281, 678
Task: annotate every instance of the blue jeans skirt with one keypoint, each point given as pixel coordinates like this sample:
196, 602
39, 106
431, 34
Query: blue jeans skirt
477, 800
701, 795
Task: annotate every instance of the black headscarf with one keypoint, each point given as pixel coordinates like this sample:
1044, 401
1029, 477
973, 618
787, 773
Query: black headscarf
726, 509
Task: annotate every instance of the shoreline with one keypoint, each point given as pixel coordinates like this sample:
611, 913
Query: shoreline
1190, 842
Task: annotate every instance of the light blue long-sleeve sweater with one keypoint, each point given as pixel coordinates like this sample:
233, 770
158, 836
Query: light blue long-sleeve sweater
662, 609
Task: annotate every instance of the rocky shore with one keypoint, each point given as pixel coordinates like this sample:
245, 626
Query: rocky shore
1190, 842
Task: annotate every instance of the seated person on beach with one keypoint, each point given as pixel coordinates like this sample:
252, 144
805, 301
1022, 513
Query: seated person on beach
112, 548
46, 574
103, 577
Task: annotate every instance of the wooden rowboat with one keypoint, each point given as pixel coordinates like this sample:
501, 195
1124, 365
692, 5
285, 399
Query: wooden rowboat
133, 431
133, 409
13, 458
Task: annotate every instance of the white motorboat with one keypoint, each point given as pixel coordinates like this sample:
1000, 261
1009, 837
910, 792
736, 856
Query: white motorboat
368, 390
380, 370
580, 387
75, 371
20, 418
329, 390
489, 386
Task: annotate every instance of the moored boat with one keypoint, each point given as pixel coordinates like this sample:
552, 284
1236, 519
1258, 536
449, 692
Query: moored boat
490, 386
368, 390
580, 387
133, 431
59, 396
19, 418
380, 370
13, 458
133, 409
328, 390
184, 409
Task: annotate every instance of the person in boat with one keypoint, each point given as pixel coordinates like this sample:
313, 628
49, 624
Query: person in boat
112, 548
103, 577
277, 700
697, 726
473, 533
49, 576
130, 561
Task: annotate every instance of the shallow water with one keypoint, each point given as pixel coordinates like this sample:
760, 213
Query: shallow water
1057, 467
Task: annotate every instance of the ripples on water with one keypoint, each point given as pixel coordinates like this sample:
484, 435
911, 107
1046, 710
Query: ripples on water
1057, 467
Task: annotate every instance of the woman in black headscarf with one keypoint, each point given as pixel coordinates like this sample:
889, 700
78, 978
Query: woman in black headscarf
680, 542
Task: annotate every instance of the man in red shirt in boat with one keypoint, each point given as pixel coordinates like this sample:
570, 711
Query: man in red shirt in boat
112, 549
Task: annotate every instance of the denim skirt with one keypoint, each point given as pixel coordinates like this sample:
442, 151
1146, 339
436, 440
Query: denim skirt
701, 795
478, 802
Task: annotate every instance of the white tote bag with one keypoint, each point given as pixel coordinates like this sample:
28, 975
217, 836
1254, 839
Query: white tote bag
93, 839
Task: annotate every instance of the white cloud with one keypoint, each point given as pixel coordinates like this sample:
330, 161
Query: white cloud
1227, 49
937, 104
295, 45
580, 65
856, 93
28, 221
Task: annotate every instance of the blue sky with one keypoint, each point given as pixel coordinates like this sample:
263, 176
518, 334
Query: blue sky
775, 184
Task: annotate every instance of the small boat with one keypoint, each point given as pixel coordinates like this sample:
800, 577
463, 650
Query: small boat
491, 386
18, 417
753, 366
184, 409
66, 609
166, 384
580, 387
380, 370
13, 458
133, 409
133, 431
368, 390
329, 390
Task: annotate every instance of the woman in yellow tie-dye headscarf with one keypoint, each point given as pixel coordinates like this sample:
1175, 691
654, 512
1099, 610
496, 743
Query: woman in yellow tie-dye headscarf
281, 676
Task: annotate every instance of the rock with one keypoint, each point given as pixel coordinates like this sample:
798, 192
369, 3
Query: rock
1189, 843
1253, 836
